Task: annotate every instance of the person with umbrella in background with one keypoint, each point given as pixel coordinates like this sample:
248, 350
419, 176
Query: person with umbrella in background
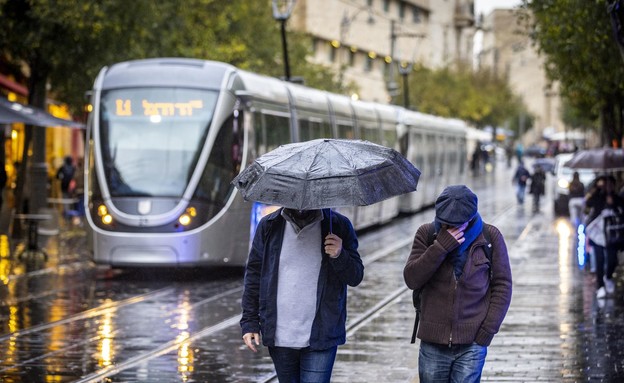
462, 269
304, 255
602, 196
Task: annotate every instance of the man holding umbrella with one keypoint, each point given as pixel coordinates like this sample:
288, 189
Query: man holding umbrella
295, 291
304, 256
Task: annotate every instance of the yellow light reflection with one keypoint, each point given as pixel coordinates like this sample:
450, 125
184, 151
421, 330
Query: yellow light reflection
5, 250
185, 352
105, 350
58, 337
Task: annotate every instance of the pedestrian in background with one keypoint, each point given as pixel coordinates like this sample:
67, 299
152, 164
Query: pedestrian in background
538, 186
66, 175
576, 203
520, 178
601, 196
295, 290
464, 296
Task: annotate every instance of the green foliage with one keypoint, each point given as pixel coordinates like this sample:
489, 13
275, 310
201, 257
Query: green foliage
480, 98
66, 42
581, 53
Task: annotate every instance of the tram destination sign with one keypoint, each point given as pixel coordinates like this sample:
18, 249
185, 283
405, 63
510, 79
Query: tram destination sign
125, 108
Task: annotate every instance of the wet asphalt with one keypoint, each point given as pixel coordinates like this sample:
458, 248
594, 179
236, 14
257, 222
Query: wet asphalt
556, 330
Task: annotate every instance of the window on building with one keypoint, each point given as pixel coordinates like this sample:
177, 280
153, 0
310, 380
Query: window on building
369, 3
352, 54
332, 53
416, 15
386, 5
368, 64
402, 10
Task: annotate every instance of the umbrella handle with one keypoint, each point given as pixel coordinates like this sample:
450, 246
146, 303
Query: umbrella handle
330, 222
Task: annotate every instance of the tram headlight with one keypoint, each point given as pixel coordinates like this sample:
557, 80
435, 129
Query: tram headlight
184, 219
102, 210
563, 183
107, 219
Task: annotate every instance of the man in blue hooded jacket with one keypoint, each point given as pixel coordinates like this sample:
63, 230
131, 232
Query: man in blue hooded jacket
295, 292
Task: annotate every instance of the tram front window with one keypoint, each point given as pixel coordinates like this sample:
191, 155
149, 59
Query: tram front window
151, 138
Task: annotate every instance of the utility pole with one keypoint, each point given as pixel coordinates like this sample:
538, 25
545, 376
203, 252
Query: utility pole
392, 85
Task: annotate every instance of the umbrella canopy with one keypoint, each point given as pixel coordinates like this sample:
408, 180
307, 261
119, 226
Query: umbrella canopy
326, 173
11, 112
597, 159
547, 164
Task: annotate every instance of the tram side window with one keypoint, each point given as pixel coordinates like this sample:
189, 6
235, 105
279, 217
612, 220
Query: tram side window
345, 131
370, 133
432, 150
310, 129
390, 138
419, 158
223, 165
271, 132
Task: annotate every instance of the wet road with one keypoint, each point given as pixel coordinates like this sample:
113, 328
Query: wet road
66, 320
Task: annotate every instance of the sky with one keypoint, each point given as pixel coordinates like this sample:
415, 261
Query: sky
486, 6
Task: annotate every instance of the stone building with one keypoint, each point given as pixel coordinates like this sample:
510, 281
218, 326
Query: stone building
508, 51
372, 43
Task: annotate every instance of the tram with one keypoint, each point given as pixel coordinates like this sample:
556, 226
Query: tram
166, 136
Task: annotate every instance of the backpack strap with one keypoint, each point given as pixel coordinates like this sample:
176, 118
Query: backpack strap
488, 246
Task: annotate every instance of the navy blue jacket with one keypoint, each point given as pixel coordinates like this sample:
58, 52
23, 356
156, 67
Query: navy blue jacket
259, 301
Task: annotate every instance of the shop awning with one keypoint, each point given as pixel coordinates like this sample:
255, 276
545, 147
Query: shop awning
11, 112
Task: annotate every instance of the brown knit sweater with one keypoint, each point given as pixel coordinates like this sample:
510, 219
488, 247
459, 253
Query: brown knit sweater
465, 310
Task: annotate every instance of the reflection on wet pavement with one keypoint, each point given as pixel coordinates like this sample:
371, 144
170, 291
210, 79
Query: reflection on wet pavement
66, 320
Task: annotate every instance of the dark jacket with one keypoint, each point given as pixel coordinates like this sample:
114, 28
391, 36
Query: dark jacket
259, 301
521, 175
465, 310
538, 182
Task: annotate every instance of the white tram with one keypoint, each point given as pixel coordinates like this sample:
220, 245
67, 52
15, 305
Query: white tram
166, 136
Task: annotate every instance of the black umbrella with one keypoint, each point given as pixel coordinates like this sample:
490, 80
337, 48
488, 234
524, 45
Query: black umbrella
602, 159
11, 112
326, 173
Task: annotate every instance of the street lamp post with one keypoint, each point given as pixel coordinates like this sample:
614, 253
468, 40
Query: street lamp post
392, 86
281, 12
404, 69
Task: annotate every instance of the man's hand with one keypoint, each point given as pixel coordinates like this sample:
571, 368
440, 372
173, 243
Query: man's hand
249, 340
458, 232
333, 245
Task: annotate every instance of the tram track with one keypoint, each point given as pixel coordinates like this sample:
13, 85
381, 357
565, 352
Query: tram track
214, 329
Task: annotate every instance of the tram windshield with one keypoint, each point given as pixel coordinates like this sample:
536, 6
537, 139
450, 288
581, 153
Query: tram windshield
151, 138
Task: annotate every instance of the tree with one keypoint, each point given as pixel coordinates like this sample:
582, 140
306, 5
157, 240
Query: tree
64, 43
581, 53
480, 98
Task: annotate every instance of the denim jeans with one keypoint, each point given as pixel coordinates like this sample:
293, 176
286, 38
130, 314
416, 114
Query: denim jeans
606, 262
460, 363
303, 365
520, 191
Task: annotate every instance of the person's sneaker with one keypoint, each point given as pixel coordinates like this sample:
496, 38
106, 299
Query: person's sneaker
601, 293
609, 285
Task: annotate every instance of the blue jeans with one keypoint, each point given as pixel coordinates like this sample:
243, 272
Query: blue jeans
303, 365
460, 363
520, 190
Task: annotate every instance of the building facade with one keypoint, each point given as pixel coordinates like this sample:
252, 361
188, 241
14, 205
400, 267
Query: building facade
507, 50
372, 43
